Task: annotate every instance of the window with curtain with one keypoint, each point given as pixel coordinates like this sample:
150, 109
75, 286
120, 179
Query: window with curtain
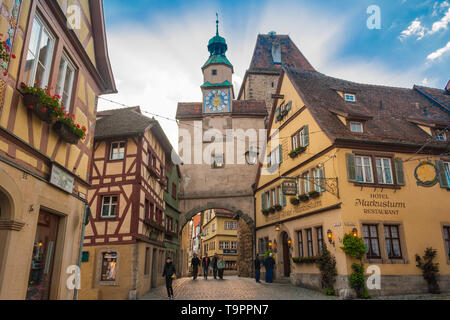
370, 236
392, 237
66, 76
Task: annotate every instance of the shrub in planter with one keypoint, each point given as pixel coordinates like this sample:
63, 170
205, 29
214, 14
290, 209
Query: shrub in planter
303, 197
278, 207
295, 201
328, 271
314, 194
429, 269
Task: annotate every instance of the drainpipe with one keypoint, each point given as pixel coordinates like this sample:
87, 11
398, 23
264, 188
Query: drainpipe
87, 213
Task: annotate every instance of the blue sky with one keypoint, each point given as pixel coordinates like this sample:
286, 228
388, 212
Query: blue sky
167, 41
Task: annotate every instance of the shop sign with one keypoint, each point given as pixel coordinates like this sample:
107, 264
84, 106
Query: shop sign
230, 251
426, 174
62, 179
289, 188
380, 204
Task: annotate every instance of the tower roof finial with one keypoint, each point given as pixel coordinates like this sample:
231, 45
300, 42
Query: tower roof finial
217, 23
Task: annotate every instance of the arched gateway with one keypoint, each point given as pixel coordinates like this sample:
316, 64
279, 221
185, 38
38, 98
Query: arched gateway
216, 137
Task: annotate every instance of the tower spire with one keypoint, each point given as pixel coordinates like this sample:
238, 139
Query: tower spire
217, 24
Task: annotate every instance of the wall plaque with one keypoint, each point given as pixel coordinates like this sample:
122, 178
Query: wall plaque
62, 179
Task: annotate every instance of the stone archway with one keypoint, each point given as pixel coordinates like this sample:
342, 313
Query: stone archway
246, 228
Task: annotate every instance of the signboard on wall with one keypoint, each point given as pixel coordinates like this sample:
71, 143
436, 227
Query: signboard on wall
289, 188
62, 179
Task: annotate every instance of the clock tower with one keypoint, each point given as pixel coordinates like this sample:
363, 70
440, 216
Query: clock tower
217, 88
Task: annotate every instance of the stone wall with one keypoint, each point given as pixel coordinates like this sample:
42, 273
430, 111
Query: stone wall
245, 250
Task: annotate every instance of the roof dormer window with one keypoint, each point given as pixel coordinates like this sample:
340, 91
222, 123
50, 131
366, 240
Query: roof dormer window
350, 97
356, 127
440, 135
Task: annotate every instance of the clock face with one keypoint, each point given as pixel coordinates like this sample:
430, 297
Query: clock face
217, 101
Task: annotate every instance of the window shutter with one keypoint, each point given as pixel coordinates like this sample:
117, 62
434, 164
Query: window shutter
399, 173
280, 151
351, 167
306, 136
263, 201
283, 200
443, 181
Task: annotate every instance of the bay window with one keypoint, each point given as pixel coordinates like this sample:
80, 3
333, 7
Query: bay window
39, 54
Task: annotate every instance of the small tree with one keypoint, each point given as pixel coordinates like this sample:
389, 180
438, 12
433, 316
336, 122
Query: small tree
429, 269
327, 266
355, 247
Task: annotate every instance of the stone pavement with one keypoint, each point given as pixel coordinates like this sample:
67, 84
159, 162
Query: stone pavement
233, 288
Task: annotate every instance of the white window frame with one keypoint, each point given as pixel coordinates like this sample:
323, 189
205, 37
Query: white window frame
365, 179
294, 142
441, 136
350, 97
361, 127
110, 204
302, 138
234, 245
306, 185
68, 64
318, 176
383, 168
111, 156
48, 62
447, 171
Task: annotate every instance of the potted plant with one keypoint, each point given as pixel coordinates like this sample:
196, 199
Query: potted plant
293, 154
41, 103
272, 210
430, 269
278, 207
68, 130
295, 201
303, 197
265, 212
314, 194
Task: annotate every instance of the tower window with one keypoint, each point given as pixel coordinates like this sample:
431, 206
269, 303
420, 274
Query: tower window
214, 72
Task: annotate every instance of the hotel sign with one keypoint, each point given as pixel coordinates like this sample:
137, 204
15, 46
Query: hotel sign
289, 188
62, 179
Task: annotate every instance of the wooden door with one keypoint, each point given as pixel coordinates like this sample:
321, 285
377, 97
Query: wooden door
42, 260
286, 260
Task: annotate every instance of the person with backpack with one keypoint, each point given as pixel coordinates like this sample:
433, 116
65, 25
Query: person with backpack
221, 267
170, 274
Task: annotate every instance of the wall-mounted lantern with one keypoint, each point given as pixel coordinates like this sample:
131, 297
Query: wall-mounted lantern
330, 237
355, 232
277, 227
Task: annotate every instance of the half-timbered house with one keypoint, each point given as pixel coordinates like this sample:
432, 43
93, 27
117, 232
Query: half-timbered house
124, 243
44, 170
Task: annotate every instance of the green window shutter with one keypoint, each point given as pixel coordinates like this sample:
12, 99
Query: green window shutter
263, 201
351, 167
283, 200
399, 173
281, 153
443, 180
306, 135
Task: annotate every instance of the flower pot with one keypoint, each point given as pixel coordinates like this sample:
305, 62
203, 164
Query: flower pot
278, 208
272, 210
303, 197
30, 99
65, 133
314, 194
295, 201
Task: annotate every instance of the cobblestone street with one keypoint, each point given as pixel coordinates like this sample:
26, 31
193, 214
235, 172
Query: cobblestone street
233, 288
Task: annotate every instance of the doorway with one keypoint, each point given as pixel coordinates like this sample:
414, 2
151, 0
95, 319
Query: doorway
154, 268
42, 260
286, 259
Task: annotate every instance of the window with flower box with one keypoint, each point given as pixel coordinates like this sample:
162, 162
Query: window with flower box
300, 139
39, 54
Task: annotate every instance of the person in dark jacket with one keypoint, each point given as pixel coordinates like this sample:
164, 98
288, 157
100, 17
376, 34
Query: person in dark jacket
195, 263
258, 265
269, 265
205, 263
170, 274
214, 265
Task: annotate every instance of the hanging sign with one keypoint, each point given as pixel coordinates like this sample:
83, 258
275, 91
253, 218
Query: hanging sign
289, 188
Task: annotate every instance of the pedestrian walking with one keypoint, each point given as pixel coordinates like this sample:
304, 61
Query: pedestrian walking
221, 267
195, 262
205, 264
214, 265
258, 265
269, 265
170, 274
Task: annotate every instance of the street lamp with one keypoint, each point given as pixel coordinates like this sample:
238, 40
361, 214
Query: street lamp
330, 236
355, 232
277, 227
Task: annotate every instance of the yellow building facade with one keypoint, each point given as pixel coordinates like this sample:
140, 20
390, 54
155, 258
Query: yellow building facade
43, 173
220, 236
363, 159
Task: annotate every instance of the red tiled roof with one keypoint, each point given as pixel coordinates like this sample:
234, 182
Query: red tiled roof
192, 110
291, 56
387, 109
437, 96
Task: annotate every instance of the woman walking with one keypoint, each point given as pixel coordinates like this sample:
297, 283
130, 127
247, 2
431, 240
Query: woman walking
170, 274
221, 267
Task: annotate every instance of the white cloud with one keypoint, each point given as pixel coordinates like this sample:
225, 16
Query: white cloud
438, 53
415, 28
441, 24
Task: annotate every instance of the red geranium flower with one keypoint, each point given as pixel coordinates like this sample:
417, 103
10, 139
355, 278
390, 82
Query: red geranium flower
5, 73
78, 126
13, 56
84, 128
44, 109
30, 106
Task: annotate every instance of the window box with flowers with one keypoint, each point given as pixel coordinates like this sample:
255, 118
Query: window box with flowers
298, 151
48, 108
314, 194
303, 197
266, 212
305, 260
278, 207
5, 54
295, 201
